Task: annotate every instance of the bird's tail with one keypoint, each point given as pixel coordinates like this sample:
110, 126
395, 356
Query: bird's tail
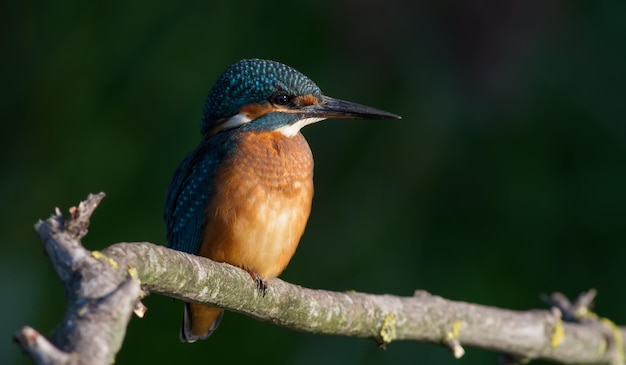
199, 322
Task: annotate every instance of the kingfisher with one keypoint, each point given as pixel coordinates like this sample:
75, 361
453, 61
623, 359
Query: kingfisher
243, 195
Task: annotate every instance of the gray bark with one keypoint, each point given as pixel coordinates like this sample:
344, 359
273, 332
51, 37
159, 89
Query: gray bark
104, 288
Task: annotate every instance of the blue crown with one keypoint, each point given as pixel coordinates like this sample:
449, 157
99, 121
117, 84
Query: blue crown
251, 81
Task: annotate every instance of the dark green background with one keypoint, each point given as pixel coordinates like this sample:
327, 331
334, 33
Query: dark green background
505, 178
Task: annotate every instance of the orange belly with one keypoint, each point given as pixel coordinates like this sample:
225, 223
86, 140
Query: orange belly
260, 208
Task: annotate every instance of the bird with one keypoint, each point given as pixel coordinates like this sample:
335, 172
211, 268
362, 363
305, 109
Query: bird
243, 195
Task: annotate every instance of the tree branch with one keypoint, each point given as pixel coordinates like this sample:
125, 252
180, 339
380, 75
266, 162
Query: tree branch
103, 289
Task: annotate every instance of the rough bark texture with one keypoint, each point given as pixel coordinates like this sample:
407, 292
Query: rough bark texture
103, 289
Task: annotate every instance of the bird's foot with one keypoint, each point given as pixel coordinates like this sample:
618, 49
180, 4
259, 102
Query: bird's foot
260, 284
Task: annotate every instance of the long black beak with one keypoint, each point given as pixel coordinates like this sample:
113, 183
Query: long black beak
341, 109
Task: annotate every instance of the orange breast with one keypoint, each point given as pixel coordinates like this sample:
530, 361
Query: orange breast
261, 204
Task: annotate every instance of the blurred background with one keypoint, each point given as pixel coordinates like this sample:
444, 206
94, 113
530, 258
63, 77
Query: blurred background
504, 180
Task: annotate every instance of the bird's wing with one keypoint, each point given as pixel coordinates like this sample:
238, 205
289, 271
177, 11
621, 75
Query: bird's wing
188, 195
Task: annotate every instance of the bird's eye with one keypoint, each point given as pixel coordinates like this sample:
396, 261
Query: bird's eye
280, 99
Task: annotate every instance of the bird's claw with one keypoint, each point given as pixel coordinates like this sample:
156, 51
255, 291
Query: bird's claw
260, 283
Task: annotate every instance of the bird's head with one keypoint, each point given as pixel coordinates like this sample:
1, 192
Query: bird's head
267, 95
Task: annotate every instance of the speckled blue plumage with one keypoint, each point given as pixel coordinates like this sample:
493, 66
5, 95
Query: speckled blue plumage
190, 189
249, 81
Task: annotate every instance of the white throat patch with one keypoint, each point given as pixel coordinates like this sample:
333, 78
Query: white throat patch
287, 130
235, 121
291, 130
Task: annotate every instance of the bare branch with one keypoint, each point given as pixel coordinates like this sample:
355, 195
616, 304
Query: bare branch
41, 350
101, 295
103, 290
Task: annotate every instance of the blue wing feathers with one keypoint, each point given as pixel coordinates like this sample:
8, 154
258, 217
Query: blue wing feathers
190, 192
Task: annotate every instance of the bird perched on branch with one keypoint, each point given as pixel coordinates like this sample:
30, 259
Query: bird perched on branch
243, 195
